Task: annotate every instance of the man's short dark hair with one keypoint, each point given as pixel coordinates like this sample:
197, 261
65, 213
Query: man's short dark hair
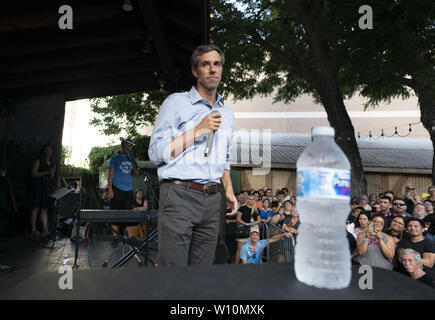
284, 189
386, 198
281, 193
199, 51
408, 220
275, 204
256, 192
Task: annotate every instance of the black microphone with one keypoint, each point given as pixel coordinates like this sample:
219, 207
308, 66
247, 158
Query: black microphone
210, 138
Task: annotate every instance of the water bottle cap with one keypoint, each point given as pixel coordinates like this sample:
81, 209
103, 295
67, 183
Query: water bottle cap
323, 131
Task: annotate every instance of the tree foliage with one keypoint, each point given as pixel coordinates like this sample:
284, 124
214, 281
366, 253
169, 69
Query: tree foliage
288, 48
126, 112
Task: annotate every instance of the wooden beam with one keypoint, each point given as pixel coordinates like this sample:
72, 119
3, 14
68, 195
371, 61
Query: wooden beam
90, 88
74, 58
51, 40
47, 16
83, 72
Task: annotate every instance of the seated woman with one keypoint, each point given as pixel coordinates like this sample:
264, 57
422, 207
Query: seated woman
376, 248
140, 203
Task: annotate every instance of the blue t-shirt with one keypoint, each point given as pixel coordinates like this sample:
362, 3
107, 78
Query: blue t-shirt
265, 215
123, 166
248, 255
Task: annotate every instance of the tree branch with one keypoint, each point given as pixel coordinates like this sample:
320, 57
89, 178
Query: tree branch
309, 75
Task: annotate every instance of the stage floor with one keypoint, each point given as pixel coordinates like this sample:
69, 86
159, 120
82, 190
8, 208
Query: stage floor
37, 277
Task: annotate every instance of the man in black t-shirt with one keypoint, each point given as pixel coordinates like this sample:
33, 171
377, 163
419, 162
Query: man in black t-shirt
419, 243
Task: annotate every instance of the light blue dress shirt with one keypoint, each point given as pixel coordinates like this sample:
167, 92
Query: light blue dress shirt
179, 113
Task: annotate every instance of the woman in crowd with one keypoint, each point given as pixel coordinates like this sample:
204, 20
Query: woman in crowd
247, 217
43, 173
431, 191
376, 248
266, 212
429, 224
293, 201
361, 223
373, 198
376, 207
291, 224
397, 229
428, 205
140, 203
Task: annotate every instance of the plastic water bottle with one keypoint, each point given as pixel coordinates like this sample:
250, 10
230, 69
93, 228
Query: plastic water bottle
65, 260
322, 256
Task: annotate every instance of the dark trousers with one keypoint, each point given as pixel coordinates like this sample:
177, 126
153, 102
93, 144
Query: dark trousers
188, 225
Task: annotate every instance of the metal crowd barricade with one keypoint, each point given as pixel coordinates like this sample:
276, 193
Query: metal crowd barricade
281, 251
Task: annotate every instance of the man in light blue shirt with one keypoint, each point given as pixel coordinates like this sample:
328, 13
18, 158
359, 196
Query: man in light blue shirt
190, 197
252, 251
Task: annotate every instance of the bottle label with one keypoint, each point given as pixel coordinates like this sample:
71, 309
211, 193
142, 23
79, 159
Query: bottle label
323, 183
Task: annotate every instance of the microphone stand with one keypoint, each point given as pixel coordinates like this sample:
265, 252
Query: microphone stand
77, 239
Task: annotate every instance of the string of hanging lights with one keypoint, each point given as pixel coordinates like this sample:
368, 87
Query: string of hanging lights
385, 135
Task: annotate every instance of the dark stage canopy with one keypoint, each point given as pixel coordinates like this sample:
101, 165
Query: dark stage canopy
108, 51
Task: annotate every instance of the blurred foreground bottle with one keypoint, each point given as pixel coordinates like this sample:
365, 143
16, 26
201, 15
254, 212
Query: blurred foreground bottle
322, 256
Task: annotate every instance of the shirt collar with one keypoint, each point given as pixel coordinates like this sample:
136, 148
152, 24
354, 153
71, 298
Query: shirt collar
196, 97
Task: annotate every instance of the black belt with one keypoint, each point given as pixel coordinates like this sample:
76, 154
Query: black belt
207, 188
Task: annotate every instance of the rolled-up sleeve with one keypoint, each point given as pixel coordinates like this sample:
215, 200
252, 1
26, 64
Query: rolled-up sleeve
164, 131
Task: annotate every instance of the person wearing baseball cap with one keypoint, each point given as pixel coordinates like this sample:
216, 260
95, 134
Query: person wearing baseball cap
252, 251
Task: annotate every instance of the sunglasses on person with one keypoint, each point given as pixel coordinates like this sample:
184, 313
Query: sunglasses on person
411, 188
399, 204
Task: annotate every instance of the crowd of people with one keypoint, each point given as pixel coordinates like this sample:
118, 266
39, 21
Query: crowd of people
387, 230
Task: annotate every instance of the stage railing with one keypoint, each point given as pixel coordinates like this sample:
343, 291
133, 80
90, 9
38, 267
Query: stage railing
280, 251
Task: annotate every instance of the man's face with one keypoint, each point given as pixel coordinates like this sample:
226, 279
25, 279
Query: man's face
269, 193
255, 237
208, 71
419, 211
281, 198
384, 204
399, 206
125, 147
256, 196
409, 262
414, 229
377, 207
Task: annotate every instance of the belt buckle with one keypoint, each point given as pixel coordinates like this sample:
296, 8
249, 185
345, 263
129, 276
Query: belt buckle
206, 186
